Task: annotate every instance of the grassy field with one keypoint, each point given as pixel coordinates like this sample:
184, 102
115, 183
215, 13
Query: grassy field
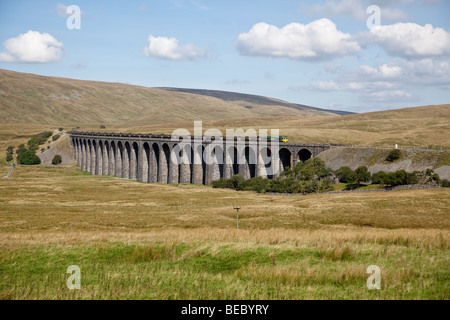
154, 241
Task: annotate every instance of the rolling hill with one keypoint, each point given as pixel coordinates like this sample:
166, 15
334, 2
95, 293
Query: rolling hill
419, 126
34, 99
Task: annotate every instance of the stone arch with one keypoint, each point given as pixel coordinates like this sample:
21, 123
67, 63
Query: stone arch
80, 154
146, 162
134, 160
303, 155
174, 165
99, 158
250, 163
186, 165
119, 159
198, 165
76, 147
204, 166
265, 161
235, 162
84, 163
164, 163
231, 165
126, 153
153, 170
216, 168
112, 158
105, 151
285, 158
92, 152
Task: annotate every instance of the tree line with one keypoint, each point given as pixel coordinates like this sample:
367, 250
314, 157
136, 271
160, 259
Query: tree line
312, 176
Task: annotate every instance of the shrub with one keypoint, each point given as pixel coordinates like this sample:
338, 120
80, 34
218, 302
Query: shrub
394, 155
56, 137
9, 157
61, 129
362, 174
326, 185
306, 177
346, 175
21, 149
257, 184
56, 159
445, 183
28, 157
43, 149
378, 177
218, 183
400, 177
235, 182
10, 149
39, 138
33, 147
311, 169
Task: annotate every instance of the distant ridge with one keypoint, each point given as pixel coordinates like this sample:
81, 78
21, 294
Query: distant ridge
234, 96
35, 99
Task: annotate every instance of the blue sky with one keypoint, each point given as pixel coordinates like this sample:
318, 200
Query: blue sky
318, 53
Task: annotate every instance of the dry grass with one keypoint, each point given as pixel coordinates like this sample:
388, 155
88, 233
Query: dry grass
151, 241
28, 98
421, 126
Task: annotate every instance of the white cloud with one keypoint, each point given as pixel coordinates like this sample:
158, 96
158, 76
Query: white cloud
333, 67
61, 10
352, 8
352, 86
389, 82
269, 75
32, 46
389, 96
168, 48
184, 4
237, 82
317, 40
143, 7
81, 64
411, 40
356, 9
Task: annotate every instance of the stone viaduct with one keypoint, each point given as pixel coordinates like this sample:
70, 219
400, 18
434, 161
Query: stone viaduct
162, 158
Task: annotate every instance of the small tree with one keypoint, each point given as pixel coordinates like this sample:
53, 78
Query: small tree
28, 157
21, 149
362, 174
9, 157
57, 160
10, 149
235, 182
56, 137
378, 177
394, 155
346, 175
61, 129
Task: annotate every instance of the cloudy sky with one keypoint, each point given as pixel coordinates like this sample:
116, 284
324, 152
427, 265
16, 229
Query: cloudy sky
330, 54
